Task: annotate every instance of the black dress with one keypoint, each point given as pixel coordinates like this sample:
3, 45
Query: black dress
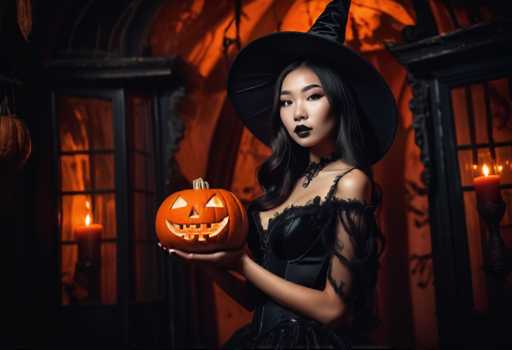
301, 246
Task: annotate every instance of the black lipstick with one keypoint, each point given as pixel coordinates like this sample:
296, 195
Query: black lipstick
302, 130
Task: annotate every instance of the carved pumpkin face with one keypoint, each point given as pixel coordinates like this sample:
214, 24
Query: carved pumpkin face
201, 220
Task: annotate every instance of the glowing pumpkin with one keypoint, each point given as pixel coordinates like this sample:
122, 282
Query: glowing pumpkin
201, 220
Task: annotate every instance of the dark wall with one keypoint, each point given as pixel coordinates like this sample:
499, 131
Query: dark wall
28, 203
20, 61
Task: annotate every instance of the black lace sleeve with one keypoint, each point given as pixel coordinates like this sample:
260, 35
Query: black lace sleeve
354, 261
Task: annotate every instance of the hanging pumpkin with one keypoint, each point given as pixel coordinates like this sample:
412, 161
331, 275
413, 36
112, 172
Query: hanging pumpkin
24, 11
201, 220
15, 143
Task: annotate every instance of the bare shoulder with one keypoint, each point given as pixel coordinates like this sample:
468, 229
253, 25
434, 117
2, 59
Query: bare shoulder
354, 185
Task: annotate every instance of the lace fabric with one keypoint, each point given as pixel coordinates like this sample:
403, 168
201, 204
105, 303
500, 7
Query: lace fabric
330, 240
289, 334
359, 227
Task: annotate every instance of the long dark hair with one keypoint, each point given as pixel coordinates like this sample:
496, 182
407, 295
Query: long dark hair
278, 173
288, 160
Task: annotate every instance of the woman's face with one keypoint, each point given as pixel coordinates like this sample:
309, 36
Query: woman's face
305, 109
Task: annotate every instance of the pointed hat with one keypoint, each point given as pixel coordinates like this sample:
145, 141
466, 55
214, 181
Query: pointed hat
254, 72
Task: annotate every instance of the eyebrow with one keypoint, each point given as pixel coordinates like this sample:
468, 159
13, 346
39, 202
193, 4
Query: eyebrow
304, 89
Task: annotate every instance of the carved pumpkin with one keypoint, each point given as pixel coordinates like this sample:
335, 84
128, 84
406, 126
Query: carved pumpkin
15, 143
201, 220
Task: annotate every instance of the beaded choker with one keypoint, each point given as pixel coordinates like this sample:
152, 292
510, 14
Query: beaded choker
314, 168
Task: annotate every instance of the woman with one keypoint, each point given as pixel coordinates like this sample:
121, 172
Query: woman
314, 244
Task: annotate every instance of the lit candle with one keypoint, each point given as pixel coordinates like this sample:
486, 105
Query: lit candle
88, 238
487, 186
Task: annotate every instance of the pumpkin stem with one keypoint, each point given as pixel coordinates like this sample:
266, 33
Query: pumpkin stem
200, 184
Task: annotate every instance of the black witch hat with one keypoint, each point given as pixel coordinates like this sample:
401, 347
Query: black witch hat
254, 72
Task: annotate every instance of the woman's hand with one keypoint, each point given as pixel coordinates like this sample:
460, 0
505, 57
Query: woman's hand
226, 259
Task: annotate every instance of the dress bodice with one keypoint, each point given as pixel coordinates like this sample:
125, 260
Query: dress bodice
298, 245
295, 245
301, 245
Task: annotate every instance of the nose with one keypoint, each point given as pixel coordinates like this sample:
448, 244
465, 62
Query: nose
193, 214
300, 112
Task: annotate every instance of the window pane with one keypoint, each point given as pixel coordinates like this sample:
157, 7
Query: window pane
147, 280
105, 214
460, 116
506, 223
503, 158
140, 220
483, 105
69, 254
476, 99
74, 211
139, 123
104, 175
476, 238
139, 170
75, 172
108, 273
466, 167
84, 123
146, 268
500, 96
469, 109
481, 100
477, 235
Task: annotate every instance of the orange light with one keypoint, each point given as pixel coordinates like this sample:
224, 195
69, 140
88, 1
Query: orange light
485, 170
88, 220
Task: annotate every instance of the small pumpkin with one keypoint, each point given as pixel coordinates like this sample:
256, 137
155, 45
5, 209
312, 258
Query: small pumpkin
15, 143
201, 220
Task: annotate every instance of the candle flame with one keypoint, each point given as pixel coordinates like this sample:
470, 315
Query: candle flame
87, 219
485, 170
499, 168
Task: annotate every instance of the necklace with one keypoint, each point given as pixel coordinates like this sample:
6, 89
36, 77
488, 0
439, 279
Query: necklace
314, 168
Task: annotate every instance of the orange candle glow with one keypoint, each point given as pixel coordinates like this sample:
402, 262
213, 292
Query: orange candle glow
88, 238
487, 186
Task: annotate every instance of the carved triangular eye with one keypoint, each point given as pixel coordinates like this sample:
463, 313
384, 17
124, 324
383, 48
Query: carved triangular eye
179, 203
215, 202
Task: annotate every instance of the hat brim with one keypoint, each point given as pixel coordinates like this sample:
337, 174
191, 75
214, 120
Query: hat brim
254, 72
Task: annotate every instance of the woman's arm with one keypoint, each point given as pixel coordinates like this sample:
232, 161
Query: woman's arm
325, 305
322, 305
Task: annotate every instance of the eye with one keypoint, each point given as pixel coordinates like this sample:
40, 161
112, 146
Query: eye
179, 203
315, 97
215, 202
285, 103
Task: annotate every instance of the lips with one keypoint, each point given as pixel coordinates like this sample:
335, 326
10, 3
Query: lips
302, 130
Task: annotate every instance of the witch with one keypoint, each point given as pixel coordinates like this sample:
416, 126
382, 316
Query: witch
311, 268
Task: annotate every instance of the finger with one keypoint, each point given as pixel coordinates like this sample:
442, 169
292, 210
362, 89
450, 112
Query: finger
210, 257
196, 257
181, 254
164, 248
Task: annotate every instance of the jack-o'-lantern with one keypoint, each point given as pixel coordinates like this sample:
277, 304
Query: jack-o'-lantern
201, 220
